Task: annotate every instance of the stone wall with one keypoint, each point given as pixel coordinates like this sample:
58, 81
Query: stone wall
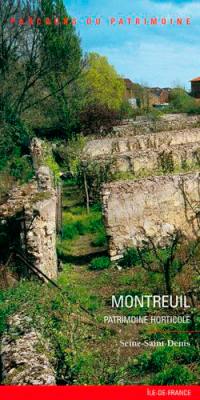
154, 207
41, 236
144, 125
36, 203
154, 161
25, 355
95, 149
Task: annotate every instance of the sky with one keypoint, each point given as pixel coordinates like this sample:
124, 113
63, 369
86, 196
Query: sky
162, 55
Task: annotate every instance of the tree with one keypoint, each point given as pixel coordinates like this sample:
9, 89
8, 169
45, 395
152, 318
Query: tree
39, 65
36, 62
181, 101
101, 83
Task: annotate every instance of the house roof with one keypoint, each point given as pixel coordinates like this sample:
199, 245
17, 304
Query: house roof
129, 84
196, 79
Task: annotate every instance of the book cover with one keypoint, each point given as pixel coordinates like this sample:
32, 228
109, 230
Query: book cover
99, 199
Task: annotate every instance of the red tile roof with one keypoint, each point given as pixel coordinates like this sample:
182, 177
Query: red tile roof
196, 79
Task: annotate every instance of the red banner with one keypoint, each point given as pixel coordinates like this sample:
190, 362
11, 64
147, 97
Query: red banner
99, 392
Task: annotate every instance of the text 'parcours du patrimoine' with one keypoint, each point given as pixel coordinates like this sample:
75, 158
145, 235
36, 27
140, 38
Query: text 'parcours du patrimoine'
96, 21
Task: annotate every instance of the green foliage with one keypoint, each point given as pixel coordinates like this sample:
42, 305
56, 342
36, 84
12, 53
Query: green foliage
100, 263
130, 258
160, 358
101, 239
54, 167
154, 115
14, 299
69, 231
34, 83
79, 222
101, 83
15, 161
21, 168
166, 365
176, 375
126, 110
71, 153
95, 174
181, 101
186, 355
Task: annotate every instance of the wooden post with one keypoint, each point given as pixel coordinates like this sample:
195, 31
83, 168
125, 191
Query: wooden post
59, 208
86, 192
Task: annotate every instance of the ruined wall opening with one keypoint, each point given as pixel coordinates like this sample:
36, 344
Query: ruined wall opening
12, 241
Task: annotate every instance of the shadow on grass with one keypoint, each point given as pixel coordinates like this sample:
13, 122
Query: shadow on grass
81, 260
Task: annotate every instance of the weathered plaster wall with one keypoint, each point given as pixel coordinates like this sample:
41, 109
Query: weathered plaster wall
154, 207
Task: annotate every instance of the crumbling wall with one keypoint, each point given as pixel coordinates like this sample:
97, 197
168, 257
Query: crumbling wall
166, 159
37, 204
155, 208
167, 122
41, 235
25, 355
41, 238
95, 149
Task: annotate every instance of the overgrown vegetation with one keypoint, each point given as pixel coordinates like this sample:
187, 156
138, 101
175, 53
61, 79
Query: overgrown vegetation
169, 261
181, 101
49, 89
99, 263
72, 321
82, 233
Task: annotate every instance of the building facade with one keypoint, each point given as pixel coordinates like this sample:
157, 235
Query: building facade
195, 87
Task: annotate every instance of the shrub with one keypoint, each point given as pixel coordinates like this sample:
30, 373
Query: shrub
160, 358
70, 154
95, 173
69, 231
176, 375
100, 263
21, 168
181, 101
186, 355
130, 258
140, 364
98, 118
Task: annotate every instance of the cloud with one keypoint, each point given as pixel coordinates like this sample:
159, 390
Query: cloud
157, 55
163, 64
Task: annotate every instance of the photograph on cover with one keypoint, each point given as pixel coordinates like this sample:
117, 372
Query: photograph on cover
99, 192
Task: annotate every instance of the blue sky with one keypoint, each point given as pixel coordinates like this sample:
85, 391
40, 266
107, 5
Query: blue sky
154, 55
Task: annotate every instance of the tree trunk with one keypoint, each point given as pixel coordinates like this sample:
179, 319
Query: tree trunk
167, 278
86, 193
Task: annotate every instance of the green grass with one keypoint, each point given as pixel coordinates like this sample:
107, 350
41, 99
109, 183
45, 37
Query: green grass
101, 239
164, 366
72, 319
82, 232
174, 375
77, 340
78, 222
